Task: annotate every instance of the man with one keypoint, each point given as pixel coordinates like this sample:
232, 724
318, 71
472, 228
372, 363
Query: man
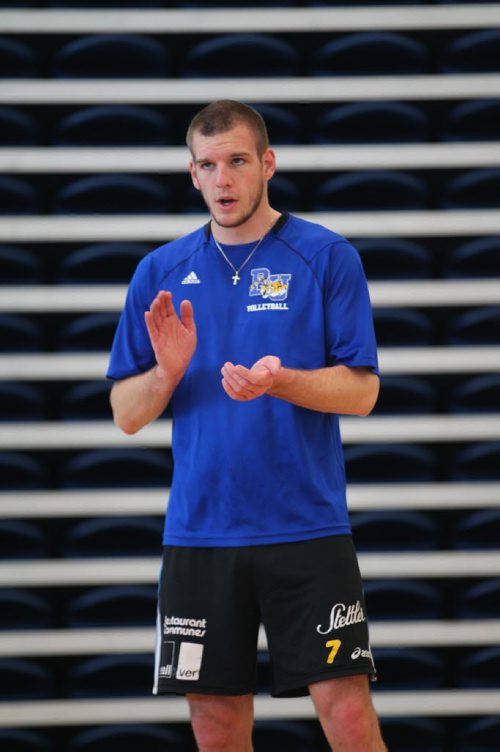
273, 340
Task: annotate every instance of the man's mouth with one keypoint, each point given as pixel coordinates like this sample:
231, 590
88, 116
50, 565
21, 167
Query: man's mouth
226, 201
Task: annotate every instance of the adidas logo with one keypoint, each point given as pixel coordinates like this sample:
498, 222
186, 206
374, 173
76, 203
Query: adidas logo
191, 279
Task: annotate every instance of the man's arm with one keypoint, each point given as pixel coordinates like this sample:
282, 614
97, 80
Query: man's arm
335, 389
138, 400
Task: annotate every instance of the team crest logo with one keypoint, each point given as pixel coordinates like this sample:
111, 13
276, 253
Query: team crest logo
269, 286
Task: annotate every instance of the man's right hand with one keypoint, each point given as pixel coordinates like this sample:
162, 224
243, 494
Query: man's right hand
173, 339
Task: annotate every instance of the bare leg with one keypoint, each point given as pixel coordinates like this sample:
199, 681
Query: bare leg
222, 724
347, 715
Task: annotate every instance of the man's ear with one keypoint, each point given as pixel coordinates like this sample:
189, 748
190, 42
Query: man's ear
192, 170
269, 162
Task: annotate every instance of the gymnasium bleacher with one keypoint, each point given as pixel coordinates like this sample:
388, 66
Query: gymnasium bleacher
386, 124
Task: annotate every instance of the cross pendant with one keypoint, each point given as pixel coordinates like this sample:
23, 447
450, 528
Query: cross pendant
236, 278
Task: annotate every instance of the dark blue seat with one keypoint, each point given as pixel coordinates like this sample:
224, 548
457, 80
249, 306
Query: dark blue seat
403, 327
476, 258
477, 530
113, 125
286, 736
17, 196
116, 606
19, 266
370, 54
111, 676
477, 326
389, 463
479, 601
101, 263
19, 471
113, 194
22, 540
409, 669
475, 189
479, 735
106, 4
92, 332
113, 536
19, 334
21, 679
18, 59
86, 401
477, 120
414, 734
22, 609
117, 468
478, 394
371, 190
22, 402
240, 55
408, 395
17, 128
21, 740
474, 52
284, 127
112, 56
371, 122
397, 599
285, 194
117, 738
477, 462
479, 669
394, 258
394, 531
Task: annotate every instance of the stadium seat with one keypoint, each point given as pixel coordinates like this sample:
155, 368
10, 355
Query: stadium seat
117, 606
394, 258
371, 122
389, 463
24, 680
105, 3
371, 190
90, 332
414, 734
283, 126
19, 471
478, 394
408, 395
112, 56
101, 263
477, 462
111, 676
113, 125
117, 468
476, 531
113, 194
18, 59
113, 536
22, 609
473, 52
406, 599
86, 401
476, 120
476, 326
475, 189
479, 601
19, 334
19, 267
286, 736
394, 531
21, 740
141, 736
21, 402
479, 735
285, 194
476, 258
17, 128
370, 54
403, 327
408, 669
240, 55
17, 196
22, 540
479, 669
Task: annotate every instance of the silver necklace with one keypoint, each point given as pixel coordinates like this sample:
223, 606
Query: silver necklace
236, 276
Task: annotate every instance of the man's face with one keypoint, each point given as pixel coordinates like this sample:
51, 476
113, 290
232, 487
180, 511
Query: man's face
231, 176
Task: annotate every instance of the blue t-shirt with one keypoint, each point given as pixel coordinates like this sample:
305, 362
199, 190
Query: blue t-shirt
263, 471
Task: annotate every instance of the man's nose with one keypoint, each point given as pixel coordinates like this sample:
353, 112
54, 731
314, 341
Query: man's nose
223, 176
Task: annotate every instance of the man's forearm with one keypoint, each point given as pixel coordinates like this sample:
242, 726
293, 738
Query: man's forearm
138, 400
336, 389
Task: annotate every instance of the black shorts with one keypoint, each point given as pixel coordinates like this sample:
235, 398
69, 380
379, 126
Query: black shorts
308, 595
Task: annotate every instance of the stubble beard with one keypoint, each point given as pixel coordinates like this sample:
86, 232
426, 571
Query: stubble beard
242, 219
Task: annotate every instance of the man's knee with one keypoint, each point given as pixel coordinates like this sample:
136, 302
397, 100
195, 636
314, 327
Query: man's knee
222, 723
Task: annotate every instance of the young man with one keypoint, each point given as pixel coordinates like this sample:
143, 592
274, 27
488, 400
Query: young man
273, 340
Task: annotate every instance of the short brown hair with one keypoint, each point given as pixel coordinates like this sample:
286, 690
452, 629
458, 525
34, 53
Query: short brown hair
222, 115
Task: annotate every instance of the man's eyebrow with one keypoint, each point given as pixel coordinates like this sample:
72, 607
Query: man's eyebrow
236, 155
